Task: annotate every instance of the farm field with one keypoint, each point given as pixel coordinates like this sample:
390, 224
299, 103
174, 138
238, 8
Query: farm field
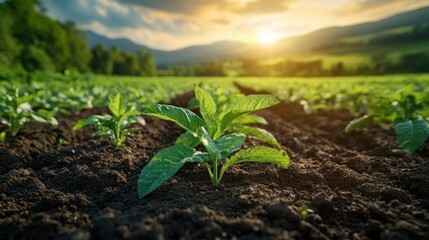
369, 183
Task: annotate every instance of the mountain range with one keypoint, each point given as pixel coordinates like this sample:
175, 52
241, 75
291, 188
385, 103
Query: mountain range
232, 49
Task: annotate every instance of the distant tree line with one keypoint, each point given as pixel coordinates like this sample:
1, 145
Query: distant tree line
117, 62
379, 64
32, 40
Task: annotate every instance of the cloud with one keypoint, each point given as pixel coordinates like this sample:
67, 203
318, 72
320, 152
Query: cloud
263, 6
222, 21
370, 10
172, 24
115, 16
86, 12
174, 6
368, 4
194, 6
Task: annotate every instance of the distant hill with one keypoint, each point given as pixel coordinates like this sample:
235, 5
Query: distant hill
201, 53
334, 34
229, 49
122, 43
193, 54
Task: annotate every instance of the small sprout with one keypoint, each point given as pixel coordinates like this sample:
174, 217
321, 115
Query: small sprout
117, 125
2, 136
211, 132
61, 143
304, 209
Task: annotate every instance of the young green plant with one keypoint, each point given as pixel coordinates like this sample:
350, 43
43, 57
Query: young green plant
210, 131
61, 143
16, 111
402, 111
117, 125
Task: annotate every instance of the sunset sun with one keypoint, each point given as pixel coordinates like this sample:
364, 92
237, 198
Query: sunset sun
266, 37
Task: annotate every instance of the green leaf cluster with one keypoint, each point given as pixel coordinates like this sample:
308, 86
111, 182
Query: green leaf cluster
402, 110
115, 125
16, 111
211, 132
218, 107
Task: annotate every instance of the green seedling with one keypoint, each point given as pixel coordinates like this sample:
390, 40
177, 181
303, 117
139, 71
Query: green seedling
61, 143
16, 112
223, 101
305, 210
2, 136
117, 125
401, 111
210, 130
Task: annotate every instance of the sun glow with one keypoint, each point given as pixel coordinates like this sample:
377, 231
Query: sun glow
266, 37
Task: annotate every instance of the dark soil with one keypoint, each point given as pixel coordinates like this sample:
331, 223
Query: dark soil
357, 186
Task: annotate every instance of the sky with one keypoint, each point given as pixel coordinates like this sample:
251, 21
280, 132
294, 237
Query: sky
173, 24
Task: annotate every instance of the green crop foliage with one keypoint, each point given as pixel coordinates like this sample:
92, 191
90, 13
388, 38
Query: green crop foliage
400, 102
224, 100
16, 111
403, 111
117, 125
210, 131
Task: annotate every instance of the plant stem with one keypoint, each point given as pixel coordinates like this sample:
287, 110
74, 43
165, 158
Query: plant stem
117, 133
215, 179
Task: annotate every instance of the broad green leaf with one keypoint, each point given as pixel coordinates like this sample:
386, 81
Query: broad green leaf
412, 134
138, 120
4, 121
24, 107
23, 99
4, 109
230, 143
80, 124
260, 154
259, 133
251, 103
38, 118
47, 116
359, 122
188, 139
251, 118
181, 116
245, 106
92, 120
187, 120
209, 144
15, 126
164, 165
116, 105
208, 110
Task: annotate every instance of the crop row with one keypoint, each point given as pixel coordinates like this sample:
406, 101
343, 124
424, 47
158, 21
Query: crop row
399, 102
23, 102
221, 129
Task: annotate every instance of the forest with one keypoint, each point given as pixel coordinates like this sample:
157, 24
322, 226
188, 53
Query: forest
33, 41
